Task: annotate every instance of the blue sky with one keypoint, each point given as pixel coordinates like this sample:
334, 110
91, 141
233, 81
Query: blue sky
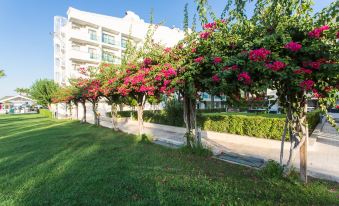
26, 47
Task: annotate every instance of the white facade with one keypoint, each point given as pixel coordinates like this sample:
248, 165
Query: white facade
86, 39
16, 104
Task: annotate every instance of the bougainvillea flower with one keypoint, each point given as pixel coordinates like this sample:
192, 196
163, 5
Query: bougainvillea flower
205, 35
302, 71
317, 32
217, 60
215, 78
244, 77
199, 59
307, 84
293, 46
276, 66
259, 54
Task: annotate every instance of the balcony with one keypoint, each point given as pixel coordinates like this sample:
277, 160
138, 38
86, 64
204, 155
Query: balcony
85, 56
83, 36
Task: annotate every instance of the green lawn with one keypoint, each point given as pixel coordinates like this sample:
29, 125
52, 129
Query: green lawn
51, 162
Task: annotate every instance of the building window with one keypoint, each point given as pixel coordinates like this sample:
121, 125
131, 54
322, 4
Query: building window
108, 39
108, 57
76, 67
92, 34
124, 43
57, 62
92, 53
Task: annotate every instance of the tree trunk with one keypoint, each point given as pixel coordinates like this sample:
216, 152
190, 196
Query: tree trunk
114, 114
190, 120
283, 141
70, 111
140, 109
77, 110
84, 119
95, 113
303, 147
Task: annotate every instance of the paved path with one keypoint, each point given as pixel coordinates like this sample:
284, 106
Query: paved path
323, 156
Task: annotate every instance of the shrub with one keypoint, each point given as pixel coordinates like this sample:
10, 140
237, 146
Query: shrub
46, 113
269, 126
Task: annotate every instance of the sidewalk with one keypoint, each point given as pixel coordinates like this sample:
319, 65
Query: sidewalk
323, 156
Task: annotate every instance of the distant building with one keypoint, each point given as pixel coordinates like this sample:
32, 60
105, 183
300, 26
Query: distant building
86, 39
16, 104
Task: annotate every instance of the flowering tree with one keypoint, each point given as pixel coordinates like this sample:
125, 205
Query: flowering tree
284, 49
110, 75
146, 80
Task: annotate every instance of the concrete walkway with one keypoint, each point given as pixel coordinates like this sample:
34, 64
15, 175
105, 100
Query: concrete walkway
323, 155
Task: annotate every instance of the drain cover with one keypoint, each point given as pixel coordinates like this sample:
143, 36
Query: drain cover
241, 159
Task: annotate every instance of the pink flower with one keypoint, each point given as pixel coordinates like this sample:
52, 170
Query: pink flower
205, 35
314, 65
194, 50
215, 78
337, 34
259, 54
234, 67
147, 61
210, 26
244, 77
293, 46
158, 77
303, 70
307, 84
199, 59
276, 66
217, 60
317, 32
167, 50
337, 106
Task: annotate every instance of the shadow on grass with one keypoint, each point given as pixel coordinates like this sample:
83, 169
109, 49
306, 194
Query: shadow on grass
69, 163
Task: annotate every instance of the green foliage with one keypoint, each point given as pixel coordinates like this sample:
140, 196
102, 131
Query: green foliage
24, 91
2, 73
249, 125
42, 91
269, 126
272, 169
46, 113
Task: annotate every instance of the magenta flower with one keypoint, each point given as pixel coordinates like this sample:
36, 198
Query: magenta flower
215, 78
217, 60
244, 77
293, 46
317, 32
147, 61
276, 66
259, 54
302, 71
199, 59
210, 26
167, 50
307, 84
205, 35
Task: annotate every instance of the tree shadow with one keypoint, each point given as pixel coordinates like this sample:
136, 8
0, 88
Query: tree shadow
70, 163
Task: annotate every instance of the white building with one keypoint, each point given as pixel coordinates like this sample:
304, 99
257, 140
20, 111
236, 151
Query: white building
85, 39
16, 104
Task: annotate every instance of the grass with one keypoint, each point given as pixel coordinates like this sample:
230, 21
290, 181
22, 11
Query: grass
53, 162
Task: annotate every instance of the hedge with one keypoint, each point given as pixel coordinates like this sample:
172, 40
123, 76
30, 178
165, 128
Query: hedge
269, 126
45, 112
